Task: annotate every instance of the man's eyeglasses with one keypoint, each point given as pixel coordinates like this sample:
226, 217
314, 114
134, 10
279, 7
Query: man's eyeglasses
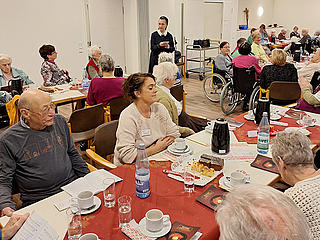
45, 110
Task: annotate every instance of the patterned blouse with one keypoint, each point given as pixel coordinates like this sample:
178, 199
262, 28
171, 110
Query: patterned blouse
52, 75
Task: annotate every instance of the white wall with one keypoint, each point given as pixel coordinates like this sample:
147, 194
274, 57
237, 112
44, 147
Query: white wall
27, 25
304, 14
254, 19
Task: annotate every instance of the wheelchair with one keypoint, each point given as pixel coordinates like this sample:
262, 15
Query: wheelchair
242, 88
214, 83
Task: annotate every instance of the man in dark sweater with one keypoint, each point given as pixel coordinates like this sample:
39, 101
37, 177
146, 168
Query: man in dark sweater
37, 155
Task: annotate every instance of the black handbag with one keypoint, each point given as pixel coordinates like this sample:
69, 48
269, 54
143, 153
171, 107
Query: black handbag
206, 43
197, 43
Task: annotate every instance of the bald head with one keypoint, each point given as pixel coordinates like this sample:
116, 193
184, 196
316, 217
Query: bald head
32, 99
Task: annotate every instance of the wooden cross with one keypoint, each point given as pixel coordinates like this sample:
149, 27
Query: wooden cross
246, 11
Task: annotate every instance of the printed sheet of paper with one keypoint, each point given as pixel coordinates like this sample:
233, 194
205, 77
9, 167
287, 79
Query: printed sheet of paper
91, 182
36, 228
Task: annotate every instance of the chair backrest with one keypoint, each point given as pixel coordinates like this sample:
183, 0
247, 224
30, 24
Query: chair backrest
87, 118
284, 91
243, 79
105, 138
177, 92
116, 106
315, 81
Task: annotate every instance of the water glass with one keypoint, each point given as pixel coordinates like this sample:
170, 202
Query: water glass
307, 121
109, 194
188, 179
124, 204
74, 219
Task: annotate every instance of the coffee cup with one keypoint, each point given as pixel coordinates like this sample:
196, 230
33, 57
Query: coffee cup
250, 113
180, 144
210, 123
237, 178
85, 199
89, 236
155, 220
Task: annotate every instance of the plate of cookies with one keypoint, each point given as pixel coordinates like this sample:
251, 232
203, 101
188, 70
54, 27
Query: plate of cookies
204, 166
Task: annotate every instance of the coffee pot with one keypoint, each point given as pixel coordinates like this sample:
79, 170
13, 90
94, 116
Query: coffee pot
262, 106
220, 141
15, 86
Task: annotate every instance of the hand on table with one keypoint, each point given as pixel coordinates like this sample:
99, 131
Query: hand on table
7, 211
13, 225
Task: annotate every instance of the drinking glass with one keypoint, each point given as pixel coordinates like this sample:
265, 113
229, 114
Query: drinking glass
74, 219
307, 121
124, 204
188, 179
109, 194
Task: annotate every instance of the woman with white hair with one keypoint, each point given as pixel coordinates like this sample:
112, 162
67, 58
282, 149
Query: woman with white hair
168, 57
282, 34
93, 67
104, 88
7, 72
165, 74
256, 212
292, 154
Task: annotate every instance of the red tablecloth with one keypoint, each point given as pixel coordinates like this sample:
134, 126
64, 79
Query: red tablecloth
167, 195
241, 132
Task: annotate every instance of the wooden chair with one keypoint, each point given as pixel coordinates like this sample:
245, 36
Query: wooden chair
83, 122
116, 105
284, 91
179, 94
102, 148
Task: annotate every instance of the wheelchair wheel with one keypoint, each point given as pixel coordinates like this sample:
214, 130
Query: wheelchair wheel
228, 99
212, 86
254, 98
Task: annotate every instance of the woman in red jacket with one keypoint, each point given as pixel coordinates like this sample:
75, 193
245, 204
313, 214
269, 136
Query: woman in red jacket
93, 67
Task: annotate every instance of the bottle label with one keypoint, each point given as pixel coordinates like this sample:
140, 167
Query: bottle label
143, 184
263, 142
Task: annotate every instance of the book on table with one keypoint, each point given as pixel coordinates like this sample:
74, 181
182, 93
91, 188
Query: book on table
265, 163
212, 197
93, 182
181, 231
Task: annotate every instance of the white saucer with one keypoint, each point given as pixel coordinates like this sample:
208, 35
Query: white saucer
96, 202
302, 130
225, 182
166, 228
171, 149
275, 117
299, 122
249, 117
209, 128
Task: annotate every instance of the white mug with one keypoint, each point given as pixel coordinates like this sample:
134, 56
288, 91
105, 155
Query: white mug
155, 219
180, 144
250, 113
89, 236
237, 178
85, 199
210, 123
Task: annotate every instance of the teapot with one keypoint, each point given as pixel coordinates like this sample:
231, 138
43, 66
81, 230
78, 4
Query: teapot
262, 106
15, 86
220, 141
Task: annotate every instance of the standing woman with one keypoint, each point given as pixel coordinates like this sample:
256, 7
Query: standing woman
93, 67
161, 41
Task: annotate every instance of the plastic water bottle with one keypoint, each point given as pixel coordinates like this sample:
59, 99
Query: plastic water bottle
85, 80
263, 135
142, 173
301, 52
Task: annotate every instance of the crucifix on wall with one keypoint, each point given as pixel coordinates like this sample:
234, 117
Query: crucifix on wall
246, 11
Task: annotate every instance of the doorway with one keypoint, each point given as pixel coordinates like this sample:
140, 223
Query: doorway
213, 20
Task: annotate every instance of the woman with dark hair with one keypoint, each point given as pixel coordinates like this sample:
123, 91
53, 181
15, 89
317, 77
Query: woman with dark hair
161, 41
104, 88
144, 120
223, 61
50, 71
246, 60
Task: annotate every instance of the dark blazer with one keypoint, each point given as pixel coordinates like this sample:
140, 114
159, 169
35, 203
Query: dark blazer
156, 49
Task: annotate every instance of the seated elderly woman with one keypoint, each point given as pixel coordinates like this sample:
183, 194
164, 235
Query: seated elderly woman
257, 48
104, 88
223, 61
7, 72
50, 71
292, 154
144, 120
165, 75
168, 57
312, 66
310, 99
282, 34
93, 66
252, 212
280, 70
245, 60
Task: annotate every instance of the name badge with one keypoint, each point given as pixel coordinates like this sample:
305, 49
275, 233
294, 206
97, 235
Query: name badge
145, 132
